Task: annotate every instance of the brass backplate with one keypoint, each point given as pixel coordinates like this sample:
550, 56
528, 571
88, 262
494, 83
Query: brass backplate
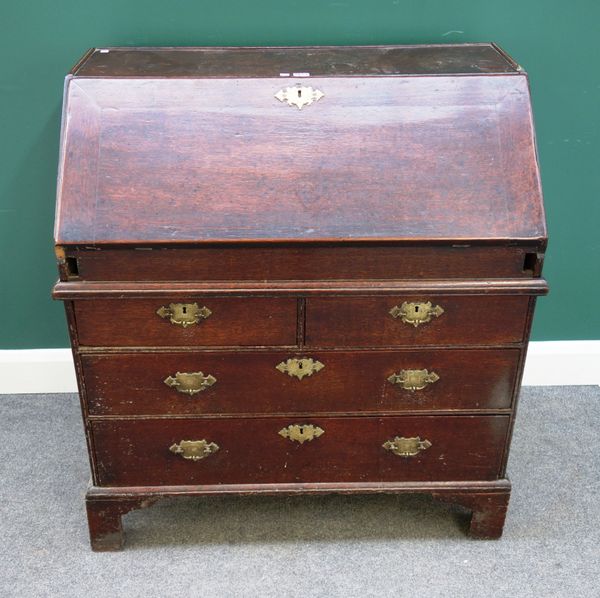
299, 368
413, 379
190, 383
194, 450
416, 313
184, 314
406, 447
301, 432
299, 96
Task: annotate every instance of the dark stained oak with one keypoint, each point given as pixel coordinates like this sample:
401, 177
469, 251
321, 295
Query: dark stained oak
104, 520
76, 289
183, 179
313, 262
367, 322
233, 321
248, 382
378, 158
487, 501
330, 61
136, 452
488, 511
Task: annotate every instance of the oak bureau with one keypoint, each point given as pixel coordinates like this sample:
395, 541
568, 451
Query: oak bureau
298, 270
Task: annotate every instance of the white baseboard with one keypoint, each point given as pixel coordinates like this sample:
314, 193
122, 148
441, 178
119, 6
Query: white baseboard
562, 363
548, 364
37, 371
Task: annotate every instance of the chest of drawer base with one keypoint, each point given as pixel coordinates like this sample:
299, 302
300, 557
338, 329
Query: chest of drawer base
486, 501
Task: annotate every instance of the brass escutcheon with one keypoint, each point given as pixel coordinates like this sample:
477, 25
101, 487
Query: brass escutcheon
194, 450
306, 366
184, 314
416, 313
413, 379
301, 432
406, 447
190, 383
299, 96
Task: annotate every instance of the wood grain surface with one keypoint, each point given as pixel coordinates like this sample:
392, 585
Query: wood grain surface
276, 262
331, 61
136, 452
378, 158
233, 321
184, 179
366, 321
248, 382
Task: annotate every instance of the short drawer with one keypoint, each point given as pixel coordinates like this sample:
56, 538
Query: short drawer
206, 382
196, 321
311, 449
432, 320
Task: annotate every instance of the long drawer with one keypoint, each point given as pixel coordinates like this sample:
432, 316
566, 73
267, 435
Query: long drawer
279, 450
210, 321
372, 321
292, 382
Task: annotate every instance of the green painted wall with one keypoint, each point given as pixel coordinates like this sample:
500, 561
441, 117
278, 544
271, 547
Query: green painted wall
554, 40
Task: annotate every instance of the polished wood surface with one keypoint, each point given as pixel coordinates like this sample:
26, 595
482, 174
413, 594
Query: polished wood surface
183, 179
233, 321
469, 319
249, 320
312, 262
136, 452
212, 160
248, 382
77, 289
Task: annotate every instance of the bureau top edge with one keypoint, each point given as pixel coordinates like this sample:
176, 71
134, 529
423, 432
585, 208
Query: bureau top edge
296, 61
538, 241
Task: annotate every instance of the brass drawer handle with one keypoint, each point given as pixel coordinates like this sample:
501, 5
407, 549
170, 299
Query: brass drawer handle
406, 447
300, 368
190, 383
184, 314
301, 432
194, 450
299, 96
416, 313
413, 379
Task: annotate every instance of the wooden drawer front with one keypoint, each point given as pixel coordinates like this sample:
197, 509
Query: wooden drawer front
232, 321
248, 382
366, 321
350, 449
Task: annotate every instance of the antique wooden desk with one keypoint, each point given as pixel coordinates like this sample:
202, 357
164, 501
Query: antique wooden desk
298, 270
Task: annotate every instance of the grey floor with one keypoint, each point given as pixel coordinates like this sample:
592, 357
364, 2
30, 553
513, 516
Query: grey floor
313, 546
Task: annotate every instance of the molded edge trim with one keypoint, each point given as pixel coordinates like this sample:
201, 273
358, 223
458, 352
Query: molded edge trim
85, 289
116, 493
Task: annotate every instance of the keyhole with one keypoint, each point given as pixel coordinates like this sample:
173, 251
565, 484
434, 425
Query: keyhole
301, 430
184, 309
416, 308
300, 365
299, 93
